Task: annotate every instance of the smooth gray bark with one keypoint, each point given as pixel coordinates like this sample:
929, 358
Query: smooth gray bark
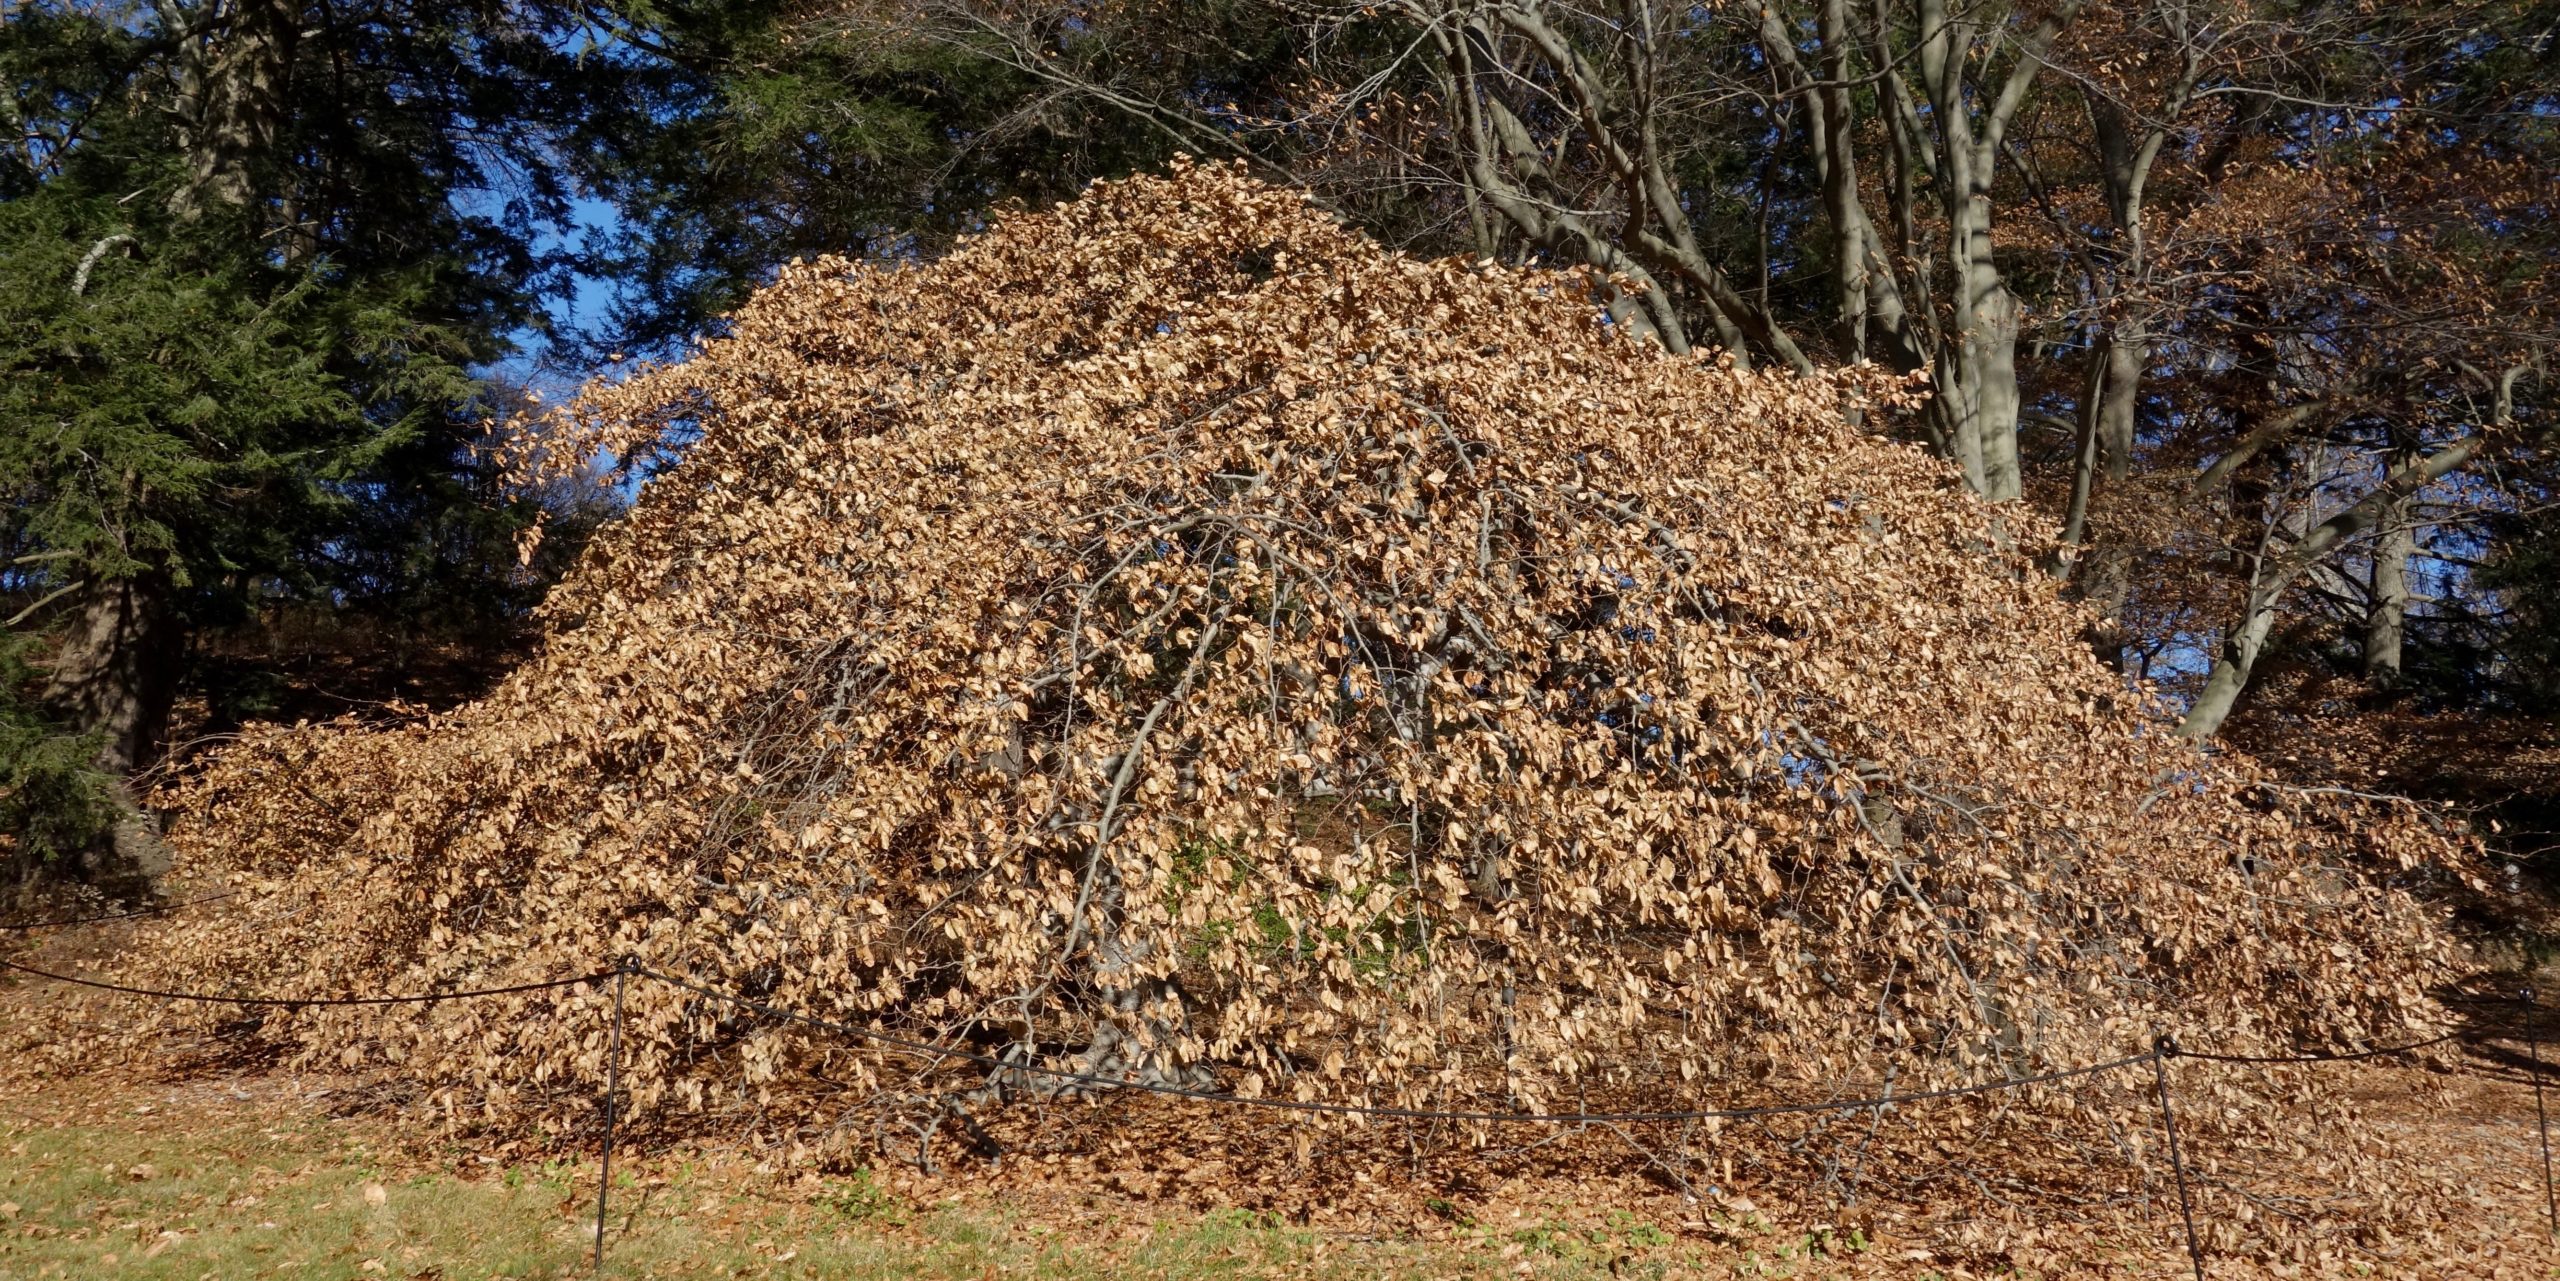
2277, 572
2386, 617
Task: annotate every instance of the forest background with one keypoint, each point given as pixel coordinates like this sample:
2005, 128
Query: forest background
2242, 311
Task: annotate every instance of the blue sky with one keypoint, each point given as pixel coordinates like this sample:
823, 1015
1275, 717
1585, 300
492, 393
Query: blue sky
588, 305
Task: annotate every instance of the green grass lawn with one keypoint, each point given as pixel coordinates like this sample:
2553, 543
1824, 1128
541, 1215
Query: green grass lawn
243, 1196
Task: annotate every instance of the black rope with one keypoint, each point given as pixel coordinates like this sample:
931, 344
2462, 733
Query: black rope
2168, 1048
2163, 1049
2317, 1057
1399, 1113
115, 916
212, 998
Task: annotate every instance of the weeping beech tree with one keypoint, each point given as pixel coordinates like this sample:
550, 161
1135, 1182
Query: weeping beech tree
1176, 639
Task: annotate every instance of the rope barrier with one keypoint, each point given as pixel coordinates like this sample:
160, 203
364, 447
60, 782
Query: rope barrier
2163, 1049
1387, 1112
215, 998
115, 916
2347, 1056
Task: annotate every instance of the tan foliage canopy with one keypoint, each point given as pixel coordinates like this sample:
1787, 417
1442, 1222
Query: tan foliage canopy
1173, 637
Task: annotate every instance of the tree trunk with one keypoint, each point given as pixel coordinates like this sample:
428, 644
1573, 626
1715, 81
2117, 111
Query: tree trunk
2084, 465
2386, 617
1836, 154
228, 99
2276, 572
2232, 667
115, 676
1139, 1019
2103, 581
1986, 406
1870, 306
1978, 383
2127, 353
2101, 574
1139, 1024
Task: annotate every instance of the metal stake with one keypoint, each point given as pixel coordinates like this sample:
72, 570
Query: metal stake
612, 1087
2162, 1050
2541, 1114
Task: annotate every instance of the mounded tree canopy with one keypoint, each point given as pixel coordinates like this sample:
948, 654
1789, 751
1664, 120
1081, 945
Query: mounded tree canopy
1173, 637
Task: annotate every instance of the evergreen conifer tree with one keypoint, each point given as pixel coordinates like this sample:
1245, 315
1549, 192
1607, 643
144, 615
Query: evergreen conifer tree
254, 255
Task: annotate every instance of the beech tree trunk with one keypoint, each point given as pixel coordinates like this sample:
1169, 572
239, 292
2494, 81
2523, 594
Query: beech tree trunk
1990, 371
2233, 666
1978, 398
2127, 353
2277, 571
2386, 618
